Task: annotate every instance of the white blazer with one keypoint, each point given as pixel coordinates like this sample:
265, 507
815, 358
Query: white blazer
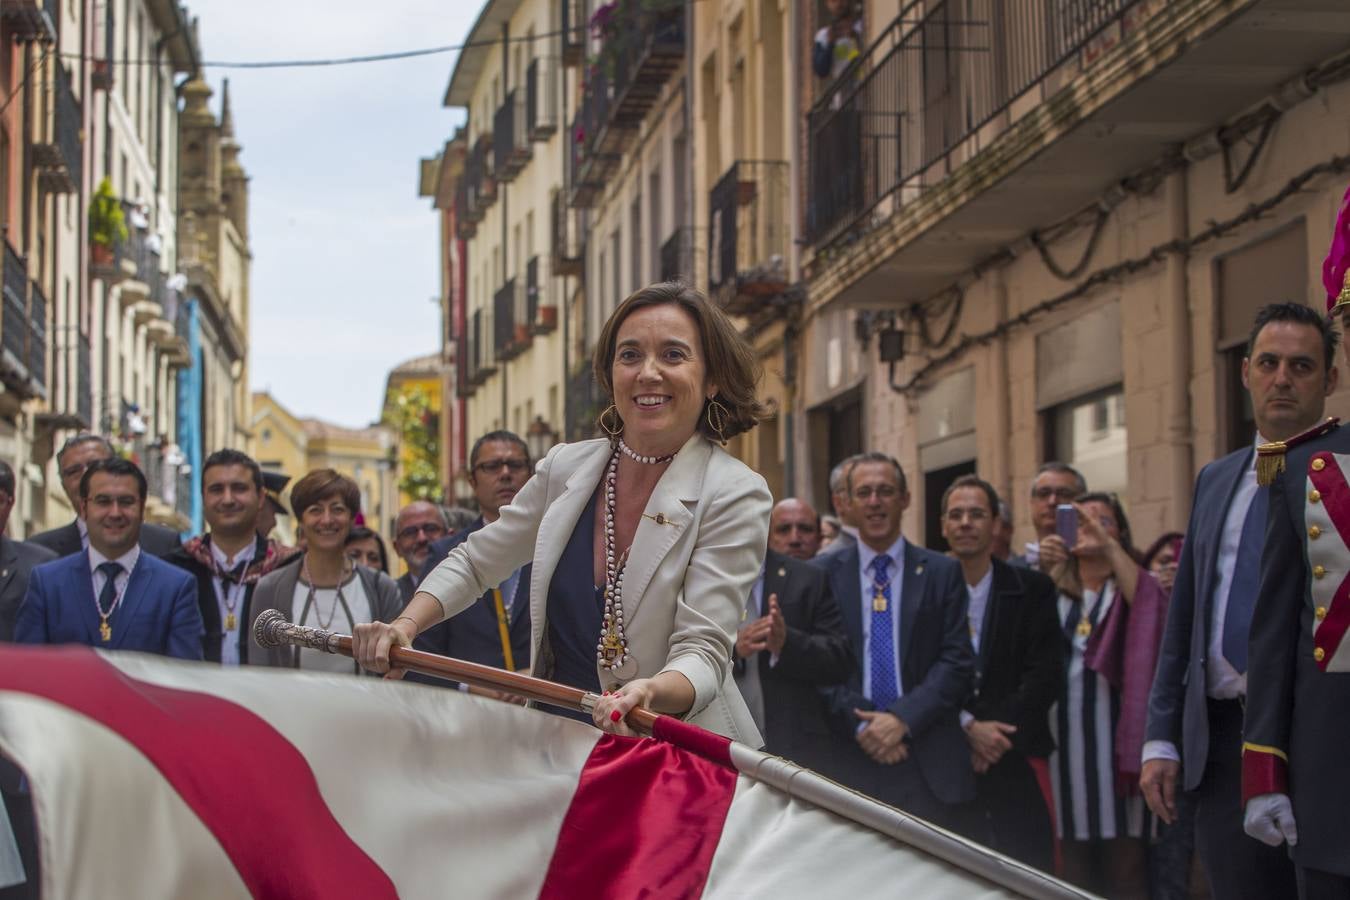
698, 549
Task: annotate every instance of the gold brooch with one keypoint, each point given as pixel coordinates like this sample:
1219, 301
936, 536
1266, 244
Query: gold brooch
659, 518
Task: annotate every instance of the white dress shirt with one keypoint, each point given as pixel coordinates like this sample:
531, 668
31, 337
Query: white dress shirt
979, 602
127, 561
228, 593
897, 571
1222, 681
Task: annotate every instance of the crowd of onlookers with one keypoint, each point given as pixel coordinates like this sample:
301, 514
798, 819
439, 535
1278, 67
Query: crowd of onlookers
1005, 693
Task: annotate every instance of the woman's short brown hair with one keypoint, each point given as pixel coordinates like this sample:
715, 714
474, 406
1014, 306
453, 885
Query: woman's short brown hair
321, 484
729, 360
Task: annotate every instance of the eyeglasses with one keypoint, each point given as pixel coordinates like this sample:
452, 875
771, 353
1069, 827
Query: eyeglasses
1062, 494
430, 529
881, 492
493, 466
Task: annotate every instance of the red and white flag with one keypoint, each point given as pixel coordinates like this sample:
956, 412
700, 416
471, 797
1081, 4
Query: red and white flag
153, 778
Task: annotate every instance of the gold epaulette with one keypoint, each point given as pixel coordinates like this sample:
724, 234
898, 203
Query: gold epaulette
1270, 457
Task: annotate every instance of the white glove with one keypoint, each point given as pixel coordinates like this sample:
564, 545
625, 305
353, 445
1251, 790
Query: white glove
1270, 819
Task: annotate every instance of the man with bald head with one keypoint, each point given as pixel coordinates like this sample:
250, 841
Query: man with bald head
791, 640
418, 524
794, 529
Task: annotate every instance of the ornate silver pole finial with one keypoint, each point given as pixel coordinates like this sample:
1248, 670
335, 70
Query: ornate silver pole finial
272, 629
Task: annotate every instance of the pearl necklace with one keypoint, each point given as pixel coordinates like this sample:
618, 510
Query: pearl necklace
648, 460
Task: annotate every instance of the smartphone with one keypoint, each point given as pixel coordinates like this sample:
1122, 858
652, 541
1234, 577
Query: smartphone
1066, 524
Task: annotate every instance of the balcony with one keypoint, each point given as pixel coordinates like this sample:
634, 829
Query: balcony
541, 312
572, 31
642, 46
968, 125
31, 20
510, 143
14, 326
597, 144
58, 148
511, 334
568, 256
679, 256
482, 361
37, 338
168, 483
541, 99
465, 386
482, 158
749, 235
84, 382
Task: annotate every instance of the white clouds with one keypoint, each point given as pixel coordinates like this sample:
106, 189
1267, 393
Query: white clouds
345, 252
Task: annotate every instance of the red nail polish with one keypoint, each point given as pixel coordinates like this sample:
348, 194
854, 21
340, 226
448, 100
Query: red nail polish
614, 716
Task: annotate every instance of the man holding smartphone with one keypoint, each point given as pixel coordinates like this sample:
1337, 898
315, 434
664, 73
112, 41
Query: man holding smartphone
1194, 736
1055, 484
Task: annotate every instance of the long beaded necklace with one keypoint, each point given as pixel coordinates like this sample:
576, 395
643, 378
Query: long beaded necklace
311, 599
612, 649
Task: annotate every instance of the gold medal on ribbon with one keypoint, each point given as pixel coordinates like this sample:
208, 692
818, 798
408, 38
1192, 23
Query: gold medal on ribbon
879, 603
230, 622
1084, 627
105, 631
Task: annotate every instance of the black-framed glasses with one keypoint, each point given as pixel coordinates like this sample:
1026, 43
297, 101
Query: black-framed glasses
493, 466
1062, 494
430, 529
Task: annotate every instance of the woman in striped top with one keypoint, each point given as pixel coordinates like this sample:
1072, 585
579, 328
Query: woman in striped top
1100, 823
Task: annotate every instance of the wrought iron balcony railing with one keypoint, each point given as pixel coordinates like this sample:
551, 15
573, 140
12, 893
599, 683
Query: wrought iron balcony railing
37, 337
58, 148
942, 72
567, 256
597, 143
642, 46
31, 20
572, 31
510, 141
14, 317
541, 309
749, 234
541, 99
84, 382
680, 256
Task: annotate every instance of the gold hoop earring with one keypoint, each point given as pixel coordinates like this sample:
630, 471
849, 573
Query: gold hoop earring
717, 416
615, 431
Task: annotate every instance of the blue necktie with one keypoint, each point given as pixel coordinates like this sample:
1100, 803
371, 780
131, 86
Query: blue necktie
1237, 620
882, 636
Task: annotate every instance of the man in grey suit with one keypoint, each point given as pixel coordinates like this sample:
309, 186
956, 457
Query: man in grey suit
1194, 736
77, 454
17, 559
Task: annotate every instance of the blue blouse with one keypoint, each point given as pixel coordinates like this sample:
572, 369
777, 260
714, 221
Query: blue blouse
575, 608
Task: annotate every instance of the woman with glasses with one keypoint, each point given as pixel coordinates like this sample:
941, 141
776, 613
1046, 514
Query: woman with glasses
645, 545
1112, 611
325, 589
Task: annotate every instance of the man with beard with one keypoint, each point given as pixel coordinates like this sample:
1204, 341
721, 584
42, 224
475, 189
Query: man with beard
417, 525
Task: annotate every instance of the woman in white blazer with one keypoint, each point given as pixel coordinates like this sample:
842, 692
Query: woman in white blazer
644, 545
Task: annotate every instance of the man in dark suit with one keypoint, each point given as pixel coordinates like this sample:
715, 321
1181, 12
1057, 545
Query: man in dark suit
74, 457
415, 528
1019, 670
495, 631
17, 559
228, 560
1195, 708
790, 644
904, 611
114, 595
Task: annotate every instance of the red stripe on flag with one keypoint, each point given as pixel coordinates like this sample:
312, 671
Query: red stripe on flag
645, 822
701, 741
249, 785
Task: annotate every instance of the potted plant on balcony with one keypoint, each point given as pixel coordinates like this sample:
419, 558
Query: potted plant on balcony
107, 225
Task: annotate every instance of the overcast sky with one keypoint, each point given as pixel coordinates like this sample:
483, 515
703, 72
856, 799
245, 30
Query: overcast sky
344, 251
